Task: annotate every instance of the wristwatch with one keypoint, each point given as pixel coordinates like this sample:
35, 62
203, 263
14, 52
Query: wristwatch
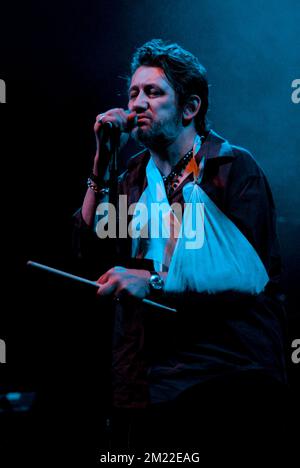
156, 282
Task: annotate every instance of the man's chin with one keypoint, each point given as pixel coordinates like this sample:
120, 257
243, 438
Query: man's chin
141, 134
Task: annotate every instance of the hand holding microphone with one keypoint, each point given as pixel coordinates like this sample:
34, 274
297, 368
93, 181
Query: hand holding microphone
115, 122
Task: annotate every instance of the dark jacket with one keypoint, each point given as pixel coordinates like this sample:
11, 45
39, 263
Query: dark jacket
211, 335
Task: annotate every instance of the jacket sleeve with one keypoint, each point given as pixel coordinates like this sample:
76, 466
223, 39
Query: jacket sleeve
250, 205
93, 256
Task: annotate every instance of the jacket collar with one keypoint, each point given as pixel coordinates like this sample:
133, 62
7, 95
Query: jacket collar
216, 147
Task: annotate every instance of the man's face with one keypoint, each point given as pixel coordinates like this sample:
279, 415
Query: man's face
154, 100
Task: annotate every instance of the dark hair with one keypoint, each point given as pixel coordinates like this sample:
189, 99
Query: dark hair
183, 70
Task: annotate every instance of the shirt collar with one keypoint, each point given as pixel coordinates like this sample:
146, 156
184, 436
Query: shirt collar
215, 148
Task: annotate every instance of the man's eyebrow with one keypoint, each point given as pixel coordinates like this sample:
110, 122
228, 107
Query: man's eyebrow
154, 85
133, 87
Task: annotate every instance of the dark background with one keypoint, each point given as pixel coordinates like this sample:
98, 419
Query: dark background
63, 63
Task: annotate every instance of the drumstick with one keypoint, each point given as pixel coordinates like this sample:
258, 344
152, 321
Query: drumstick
80, 279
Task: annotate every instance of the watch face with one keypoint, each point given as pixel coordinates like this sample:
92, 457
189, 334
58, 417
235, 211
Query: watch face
156, 282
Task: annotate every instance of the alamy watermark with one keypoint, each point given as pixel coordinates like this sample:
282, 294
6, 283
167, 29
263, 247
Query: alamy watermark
296, 353
159, 220
2, 352
295, 96
2, 92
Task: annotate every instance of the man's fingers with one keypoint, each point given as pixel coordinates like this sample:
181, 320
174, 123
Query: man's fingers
111, 274
103, 278
114, 116
107, 289
117, 117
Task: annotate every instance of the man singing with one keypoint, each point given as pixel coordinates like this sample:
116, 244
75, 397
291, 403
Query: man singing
207, 373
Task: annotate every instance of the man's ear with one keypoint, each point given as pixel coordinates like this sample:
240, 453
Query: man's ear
191, 108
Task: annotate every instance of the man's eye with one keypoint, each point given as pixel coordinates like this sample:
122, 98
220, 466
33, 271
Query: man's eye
154, 92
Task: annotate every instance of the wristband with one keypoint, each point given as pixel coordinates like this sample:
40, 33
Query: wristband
98, 180
103, 190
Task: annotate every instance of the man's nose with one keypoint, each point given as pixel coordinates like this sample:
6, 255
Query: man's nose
140, 103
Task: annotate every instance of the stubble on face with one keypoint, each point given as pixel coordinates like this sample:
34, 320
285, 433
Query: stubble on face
158, 134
